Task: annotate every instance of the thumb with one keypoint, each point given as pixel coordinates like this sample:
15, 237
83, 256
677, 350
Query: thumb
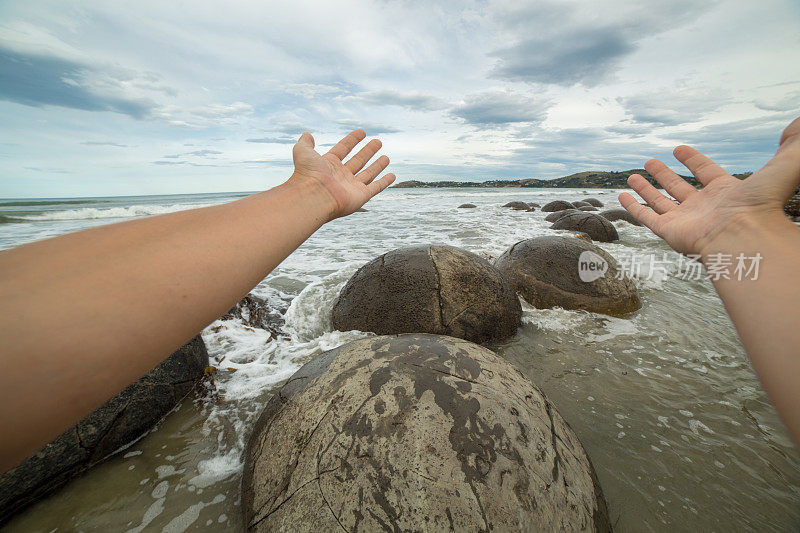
305, 142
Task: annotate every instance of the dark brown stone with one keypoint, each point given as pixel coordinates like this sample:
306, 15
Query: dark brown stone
588, 208
593, 201
416, 432
581, 203
467, 206
552, 217
122, 419
545, 272
619, 214
557, 205
429, 289
597, 227
517, 206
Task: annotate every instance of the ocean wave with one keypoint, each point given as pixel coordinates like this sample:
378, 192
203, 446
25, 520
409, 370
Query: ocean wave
90, 213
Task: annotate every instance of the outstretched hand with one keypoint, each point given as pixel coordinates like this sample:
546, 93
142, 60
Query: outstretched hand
696, 220
348, 185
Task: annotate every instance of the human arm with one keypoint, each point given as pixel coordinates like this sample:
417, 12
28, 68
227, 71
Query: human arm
86, 314
731, 217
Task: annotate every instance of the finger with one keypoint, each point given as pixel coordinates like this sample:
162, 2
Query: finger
660, 203
305, 142
373, 170
675, 185
379, 185
358, 161
346, 145
645, 215
703, 168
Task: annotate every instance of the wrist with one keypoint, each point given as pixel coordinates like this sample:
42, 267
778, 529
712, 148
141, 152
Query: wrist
313, 193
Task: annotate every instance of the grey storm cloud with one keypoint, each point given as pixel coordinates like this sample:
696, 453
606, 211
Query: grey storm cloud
672, 107
38, 81
273, 140
580, 55
496, 108
417, 101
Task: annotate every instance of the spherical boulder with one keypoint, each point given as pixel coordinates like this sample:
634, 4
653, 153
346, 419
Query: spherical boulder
588, 208
593, 201
467, 206
122, 419
429, 289
581, 203
517, 206
534, 204
597, 227
556, 271
557, 205
552, 217
619, 214
416, 432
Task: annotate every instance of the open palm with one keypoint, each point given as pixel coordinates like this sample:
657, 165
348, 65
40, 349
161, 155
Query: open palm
349, 186
693, 221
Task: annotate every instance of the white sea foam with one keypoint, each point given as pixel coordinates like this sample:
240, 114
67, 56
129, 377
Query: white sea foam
90, 213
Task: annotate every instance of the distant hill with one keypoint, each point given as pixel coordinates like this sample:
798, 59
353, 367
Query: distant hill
581, 180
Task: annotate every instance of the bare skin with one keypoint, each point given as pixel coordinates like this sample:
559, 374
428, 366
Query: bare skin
733, 217
117, 299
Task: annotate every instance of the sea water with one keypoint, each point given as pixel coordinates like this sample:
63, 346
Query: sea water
679, 430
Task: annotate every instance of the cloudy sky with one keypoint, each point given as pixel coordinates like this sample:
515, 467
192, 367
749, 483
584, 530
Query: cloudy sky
155, 97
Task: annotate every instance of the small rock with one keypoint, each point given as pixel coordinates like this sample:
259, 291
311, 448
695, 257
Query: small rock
517, 206
597, 227
619, 214
558, 205
467, 206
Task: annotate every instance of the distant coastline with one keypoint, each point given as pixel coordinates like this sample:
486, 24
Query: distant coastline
581, 180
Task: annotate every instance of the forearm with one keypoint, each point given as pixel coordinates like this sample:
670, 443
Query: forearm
111, 302
764, 310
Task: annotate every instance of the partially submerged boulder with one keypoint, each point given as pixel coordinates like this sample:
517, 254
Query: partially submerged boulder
581, 203
517, 206
552, 217
588, 208
121, 420
430, 289
557, 205
546, 272
619, 214
467, 206
416, 432
593, 201
597, 227
534, 204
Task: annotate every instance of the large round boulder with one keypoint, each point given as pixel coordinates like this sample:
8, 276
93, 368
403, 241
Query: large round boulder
581, 203
429, 289
556, 271
619, 214
597, 227
588, 208
555, 215
122, 419
416, 433
517, 206
557, 205
593, 201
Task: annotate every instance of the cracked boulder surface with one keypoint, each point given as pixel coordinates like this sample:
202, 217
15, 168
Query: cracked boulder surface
545, 272
122, 419
416, 432
552, 217
597, 227
429, 289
